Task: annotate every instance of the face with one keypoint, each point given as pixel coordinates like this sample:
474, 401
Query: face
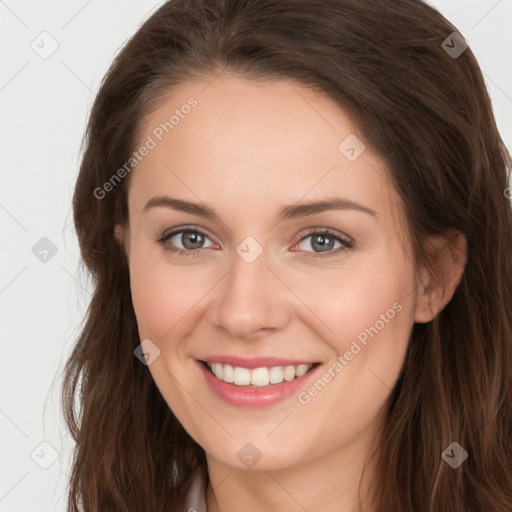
231, 263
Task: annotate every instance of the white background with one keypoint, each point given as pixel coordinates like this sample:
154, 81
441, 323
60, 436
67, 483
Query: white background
44, 105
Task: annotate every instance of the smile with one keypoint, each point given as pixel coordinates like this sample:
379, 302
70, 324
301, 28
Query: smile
257, 377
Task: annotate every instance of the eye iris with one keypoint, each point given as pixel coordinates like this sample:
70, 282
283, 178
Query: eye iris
325, 243
196, 239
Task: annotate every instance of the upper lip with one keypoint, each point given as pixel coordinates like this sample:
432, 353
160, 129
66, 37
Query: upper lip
255, 362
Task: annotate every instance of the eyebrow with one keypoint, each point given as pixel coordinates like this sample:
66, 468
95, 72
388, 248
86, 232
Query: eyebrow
292, 211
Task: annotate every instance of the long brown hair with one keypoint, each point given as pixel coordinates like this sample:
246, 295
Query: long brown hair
427, 113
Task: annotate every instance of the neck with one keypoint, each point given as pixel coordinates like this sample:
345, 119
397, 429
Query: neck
334, 482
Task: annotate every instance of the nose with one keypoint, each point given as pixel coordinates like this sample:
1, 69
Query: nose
251, 300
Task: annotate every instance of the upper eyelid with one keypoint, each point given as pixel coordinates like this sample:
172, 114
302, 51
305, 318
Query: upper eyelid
320, 230
172, 231
168, 235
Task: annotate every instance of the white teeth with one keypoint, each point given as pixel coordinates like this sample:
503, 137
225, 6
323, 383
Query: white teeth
258, 377
276, 375
301, 370
242, 376
218, 370
229, 374
289, 373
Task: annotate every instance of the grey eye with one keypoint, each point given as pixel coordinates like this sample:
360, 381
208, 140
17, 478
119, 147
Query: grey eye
320, 242
188, 239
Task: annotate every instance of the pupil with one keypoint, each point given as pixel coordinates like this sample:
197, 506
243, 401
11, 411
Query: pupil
324, 242
194, 238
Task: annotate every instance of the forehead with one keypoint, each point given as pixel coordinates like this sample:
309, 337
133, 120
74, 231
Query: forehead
269, 115
256, 142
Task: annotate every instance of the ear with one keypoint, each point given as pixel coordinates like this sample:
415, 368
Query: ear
122, 235
438, 283
119, 233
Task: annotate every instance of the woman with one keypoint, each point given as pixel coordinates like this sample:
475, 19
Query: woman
295, 214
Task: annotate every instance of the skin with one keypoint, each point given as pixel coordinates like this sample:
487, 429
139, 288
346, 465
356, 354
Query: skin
245, 150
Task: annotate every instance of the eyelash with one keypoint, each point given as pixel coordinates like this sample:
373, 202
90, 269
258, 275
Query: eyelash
347, 245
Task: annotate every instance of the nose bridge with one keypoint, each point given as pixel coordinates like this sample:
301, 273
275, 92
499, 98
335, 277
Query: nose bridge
248, 301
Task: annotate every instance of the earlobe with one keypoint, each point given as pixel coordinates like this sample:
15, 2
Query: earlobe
122, 236
424, 312
118, 233
437, 286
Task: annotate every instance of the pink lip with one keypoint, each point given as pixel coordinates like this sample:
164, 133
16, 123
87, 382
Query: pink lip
255, 362
252, 397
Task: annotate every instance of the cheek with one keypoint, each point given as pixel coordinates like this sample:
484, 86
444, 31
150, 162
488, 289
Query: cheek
161, 294
369, 313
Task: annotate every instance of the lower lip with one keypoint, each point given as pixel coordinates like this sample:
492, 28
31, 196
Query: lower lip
244, 396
